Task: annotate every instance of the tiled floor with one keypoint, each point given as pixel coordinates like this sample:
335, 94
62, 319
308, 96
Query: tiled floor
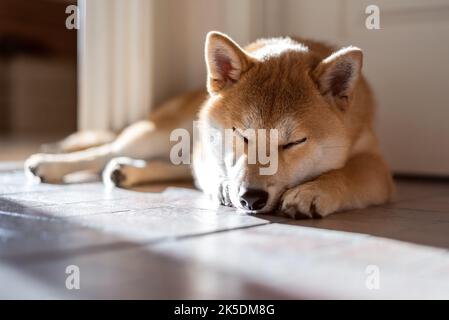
157, 242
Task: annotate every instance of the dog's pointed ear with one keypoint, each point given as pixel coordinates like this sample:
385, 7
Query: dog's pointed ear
337, 75
226, 61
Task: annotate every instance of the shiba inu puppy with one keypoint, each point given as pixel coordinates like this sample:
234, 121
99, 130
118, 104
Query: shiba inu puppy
314, 96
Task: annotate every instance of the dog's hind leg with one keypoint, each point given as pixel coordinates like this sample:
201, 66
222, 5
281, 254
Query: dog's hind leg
126, 172
78, 141
141, 140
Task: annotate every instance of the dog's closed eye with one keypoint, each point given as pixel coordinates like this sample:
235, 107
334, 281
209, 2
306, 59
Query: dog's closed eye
240, 135
294, 143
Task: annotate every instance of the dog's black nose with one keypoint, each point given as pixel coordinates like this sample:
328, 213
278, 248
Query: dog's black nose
253, 199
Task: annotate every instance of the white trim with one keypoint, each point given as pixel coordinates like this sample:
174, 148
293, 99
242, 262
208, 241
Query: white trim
115, 83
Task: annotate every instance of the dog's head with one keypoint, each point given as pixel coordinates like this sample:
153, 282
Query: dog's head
283, 85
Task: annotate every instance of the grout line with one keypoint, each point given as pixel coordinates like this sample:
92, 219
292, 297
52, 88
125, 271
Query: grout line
416, 209
198, 235
52, 204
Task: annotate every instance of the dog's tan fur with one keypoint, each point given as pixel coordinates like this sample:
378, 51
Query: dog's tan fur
302, 88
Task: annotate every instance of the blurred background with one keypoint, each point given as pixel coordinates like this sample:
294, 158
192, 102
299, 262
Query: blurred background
38, 78
129, 55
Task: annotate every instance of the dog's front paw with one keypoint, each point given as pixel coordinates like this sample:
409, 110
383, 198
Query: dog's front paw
115, 175
310, 200
221, 194
42, 166
122, 172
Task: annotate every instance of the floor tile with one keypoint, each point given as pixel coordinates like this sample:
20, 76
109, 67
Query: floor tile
413, 188
80, 216
159, 241
301, 261
166, 222
428, 204
139, 273
399, 224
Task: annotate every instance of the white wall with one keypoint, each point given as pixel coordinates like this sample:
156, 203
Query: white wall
180, 29
407, 63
